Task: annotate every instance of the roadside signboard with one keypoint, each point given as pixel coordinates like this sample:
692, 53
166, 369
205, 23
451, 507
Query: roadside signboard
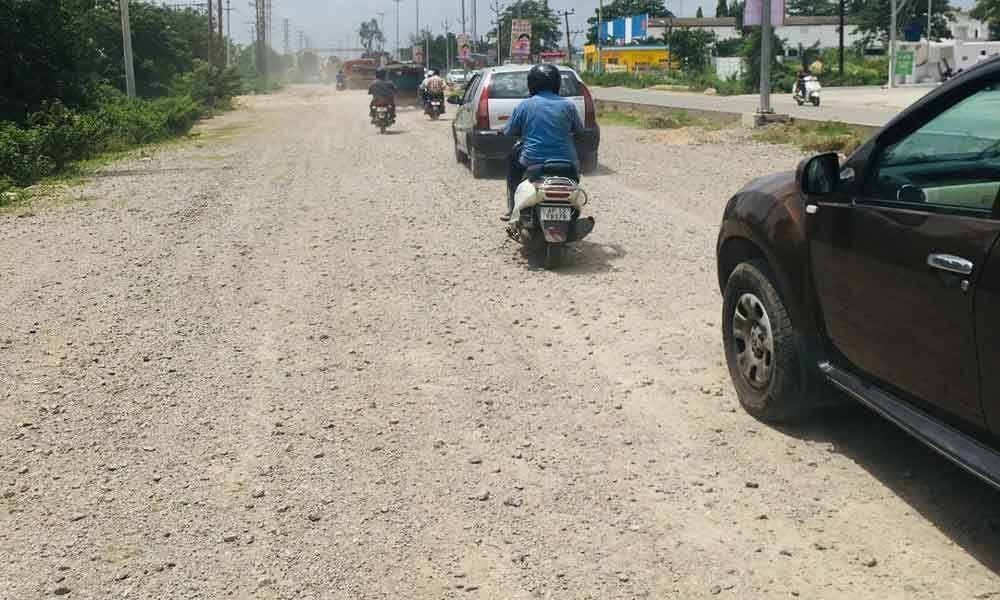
520, 38
418, 54
904, 63
464, 47
754, 10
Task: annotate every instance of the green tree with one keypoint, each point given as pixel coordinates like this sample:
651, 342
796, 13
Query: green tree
545, 31
722, 9
752, 53
987, 10
372, 39
691, 47
626, 8
699, 14
873, 18
812, 8
736, 11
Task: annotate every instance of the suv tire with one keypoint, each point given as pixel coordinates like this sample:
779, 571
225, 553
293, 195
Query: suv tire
767, 358
476, 165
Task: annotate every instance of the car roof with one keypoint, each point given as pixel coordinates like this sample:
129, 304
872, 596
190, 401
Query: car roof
522, 69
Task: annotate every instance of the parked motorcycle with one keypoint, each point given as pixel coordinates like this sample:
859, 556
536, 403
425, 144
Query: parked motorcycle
383, 118
808, 91
434, 107
547, 211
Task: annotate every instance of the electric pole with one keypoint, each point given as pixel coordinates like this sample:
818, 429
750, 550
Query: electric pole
463, 17
399, 50
286, 36
447, 45
127, 44
569, 46
229, 32
222, 35
767, 38
475, 24
600, 38
211, 33
497, 8
893, 29
842, 10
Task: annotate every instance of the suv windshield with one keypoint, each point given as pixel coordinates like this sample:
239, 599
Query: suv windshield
514, 85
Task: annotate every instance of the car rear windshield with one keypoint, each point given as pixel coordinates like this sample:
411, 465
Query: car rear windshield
511, 86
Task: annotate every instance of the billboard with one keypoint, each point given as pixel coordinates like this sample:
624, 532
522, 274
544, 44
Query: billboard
627, 30
418, 54
464, 47
754, 9
520, 38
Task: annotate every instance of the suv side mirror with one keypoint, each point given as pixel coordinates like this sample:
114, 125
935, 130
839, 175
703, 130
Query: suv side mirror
455, 100
819, 175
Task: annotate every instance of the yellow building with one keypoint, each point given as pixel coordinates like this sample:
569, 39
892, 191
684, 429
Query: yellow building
627, 58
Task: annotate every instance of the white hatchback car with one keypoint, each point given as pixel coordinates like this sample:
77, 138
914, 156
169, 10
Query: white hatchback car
488, 103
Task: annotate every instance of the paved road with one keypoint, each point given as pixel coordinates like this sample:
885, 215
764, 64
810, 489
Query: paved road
294, 359
870, 107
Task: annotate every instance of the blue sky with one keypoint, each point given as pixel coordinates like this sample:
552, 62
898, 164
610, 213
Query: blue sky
331, 22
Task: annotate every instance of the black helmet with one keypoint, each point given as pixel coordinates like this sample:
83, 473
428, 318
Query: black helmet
379, 73
544, 77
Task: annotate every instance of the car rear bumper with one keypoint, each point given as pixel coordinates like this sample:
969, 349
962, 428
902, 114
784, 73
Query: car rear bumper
490, 146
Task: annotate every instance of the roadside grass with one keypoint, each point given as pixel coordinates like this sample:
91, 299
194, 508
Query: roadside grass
815, 137
671, 120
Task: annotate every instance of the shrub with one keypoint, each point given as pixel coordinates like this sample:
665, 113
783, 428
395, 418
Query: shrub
21, 158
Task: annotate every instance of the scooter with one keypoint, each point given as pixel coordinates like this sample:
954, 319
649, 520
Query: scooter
383, 117
434, 107
812, 91
547, 210
341, 85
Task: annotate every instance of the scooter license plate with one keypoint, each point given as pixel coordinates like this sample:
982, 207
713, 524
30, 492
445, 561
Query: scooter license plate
555, 213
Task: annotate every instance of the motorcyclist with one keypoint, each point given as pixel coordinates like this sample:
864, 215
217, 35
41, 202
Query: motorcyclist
546, 123
382, 90
340, 79
433, 87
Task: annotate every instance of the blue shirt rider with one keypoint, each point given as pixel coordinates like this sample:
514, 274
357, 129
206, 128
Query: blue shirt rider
547, 124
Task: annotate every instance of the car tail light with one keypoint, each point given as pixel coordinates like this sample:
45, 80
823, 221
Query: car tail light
483, 112
590, 121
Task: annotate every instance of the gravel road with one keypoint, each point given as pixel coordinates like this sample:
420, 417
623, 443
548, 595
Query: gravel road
292, 358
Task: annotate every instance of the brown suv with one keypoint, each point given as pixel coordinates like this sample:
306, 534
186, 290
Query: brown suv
879, 277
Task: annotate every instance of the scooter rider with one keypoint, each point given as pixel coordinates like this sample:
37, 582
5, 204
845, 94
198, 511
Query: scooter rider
383, 90
547, 125
800, 82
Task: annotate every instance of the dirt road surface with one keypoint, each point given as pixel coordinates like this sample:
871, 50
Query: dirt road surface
296, 359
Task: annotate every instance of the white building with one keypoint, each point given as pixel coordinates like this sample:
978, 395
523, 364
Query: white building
804, 31
966, 29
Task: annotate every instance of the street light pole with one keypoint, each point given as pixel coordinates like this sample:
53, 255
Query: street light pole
127, 43
399, 50
765, 58
894, 10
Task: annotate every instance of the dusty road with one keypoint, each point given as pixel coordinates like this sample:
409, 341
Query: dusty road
295, 359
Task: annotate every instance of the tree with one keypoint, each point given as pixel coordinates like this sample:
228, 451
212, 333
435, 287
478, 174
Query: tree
691, 47
545, 28
987, 10
873, 18
372, 39
812, 8
626, 8
736, 11
700, 14
722, 10
752, 52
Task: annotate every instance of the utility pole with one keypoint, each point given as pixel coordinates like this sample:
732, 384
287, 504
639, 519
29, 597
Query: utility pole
841, 4
399, 50
127, 44
497, 8
211, 33
286, 36
463, 17
475, 24
569, 45
600, 37
893, 28
447, 45
302, 41
222, 35
229, 32
766, 56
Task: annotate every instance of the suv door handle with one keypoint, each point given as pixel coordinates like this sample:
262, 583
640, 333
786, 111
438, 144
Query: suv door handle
951, 264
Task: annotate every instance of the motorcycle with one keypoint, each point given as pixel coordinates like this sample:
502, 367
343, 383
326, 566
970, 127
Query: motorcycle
548, 206
434, 107
812, 89
341, 85
383, 116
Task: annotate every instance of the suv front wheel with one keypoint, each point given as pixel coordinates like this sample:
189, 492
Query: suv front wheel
767, 358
